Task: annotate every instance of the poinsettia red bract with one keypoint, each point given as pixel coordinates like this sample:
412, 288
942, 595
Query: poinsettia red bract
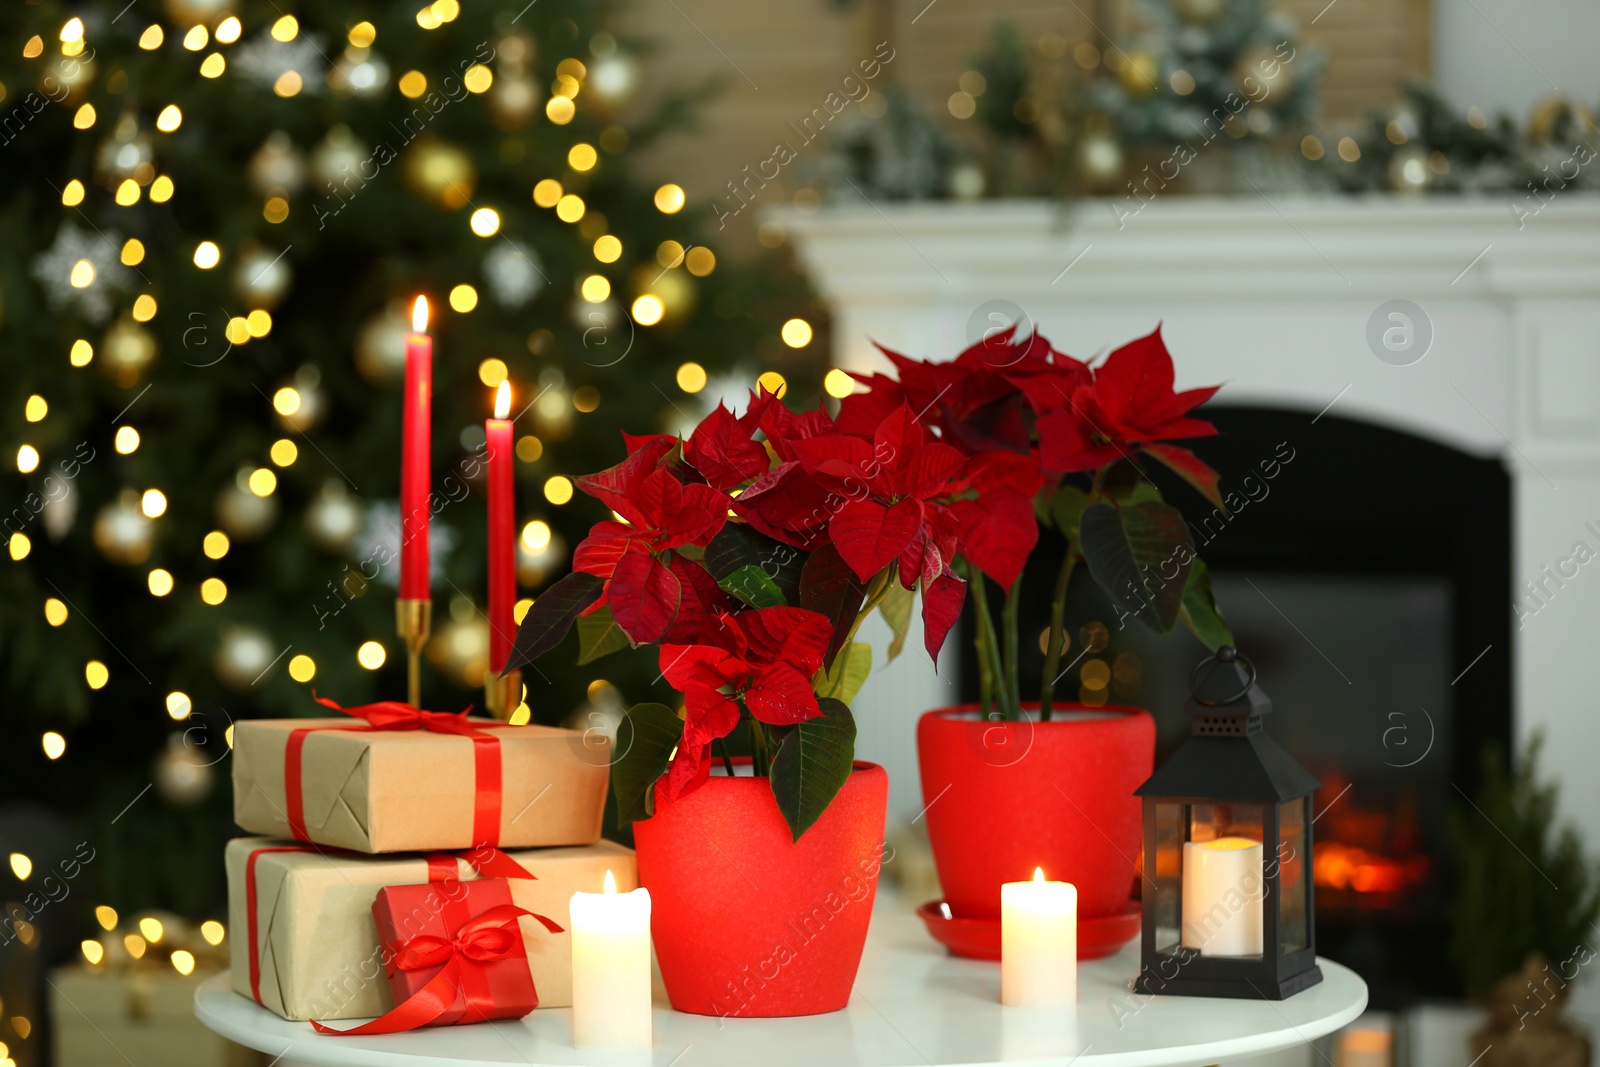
763, 659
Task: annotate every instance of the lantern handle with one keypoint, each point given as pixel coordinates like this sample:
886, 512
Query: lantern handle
1225, 654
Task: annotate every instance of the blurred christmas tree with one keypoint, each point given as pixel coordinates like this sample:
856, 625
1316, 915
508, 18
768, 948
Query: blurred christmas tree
1204, 68
214, 218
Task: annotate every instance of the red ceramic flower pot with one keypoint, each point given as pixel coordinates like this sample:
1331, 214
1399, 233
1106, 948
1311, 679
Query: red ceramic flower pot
1006, 797
748, 922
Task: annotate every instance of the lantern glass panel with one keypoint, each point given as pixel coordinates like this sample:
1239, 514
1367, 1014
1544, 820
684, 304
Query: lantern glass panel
1294, 920
1224, 880
1165, 873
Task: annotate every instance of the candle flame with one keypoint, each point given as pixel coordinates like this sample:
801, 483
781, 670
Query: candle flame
1038, 875
419, 315
611, 883
502, 400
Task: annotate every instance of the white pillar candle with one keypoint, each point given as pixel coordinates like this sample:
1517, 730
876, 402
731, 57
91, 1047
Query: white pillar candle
611, 969
1038, 942
1222, 892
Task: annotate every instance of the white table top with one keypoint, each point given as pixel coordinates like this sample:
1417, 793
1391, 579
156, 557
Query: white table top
913, 1006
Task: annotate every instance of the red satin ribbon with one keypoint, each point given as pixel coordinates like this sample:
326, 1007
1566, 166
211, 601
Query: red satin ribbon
488, 861
250, 911
460, 991
396, 715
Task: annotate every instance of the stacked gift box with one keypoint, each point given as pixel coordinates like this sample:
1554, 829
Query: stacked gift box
409, 849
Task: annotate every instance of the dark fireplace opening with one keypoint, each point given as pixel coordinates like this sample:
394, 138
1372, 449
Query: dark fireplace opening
1367, 572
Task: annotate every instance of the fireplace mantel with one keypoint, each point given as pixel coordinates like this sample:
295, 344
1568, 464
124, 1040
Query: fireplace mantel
1274, 298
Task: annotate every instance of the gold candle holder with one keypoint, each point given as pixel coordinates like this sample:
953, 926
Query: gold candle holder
413, 621
502, 695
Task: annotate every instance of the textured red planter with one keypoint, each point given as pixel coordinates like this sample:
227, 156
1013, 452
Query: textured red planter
746, 921
1006, 797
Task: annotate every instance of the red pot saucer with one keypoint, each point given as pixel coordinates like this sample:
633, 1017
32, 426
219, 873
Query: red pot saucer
979, 939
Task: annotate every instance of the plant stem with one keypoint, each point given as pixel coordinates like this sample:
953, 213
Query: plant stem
1008, 625
727, 764
1058, 611
760, 761
989, 643
1058, 608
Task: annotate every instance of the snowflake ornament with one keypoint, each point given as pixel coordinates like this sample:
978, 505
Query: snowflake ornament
69, 285
513, 273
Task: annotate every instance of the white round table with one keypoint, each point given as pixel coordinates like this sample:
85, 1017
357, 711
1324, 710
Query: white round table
913, 1006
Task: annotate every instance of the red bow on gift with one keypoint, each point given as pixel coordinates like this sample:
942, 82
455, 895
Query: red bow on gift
460, 991
397, 715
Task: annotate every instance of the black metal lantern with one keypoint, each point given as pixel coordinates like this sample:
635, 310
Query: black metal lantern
1227, 851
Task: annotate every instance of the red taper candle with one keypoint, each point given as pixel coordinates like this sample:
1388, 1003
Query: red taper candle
502, 533
415, 470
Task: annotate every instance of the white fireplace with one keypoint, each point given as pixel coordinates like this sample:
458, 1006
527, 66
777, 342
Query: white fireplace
1278, 298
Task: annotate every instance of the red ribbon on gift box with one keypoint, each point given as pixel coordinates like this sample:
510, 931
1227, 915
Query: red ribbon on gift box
467, 986
397, 715
488, 861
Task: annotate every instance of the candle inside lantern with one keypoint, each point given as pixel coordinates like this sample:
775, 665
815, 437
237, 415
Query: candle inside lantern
502, 533
414, 459
611, 969
1223, 887
1038, 942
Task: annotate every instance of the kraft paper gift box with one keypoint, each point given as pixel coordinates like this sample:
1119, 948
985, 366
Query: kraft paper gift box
389, 790
105, 1018
317, 951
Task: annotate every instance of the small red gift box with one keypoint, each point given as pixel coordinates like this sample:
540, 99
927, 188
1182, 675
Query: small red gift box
454, 954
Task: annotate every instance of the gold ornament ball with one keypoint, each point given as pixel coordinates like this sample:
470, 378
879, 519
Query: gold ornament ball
123, 153
277, 166
1100, 159
334, 518
74, 74
307, 383
513, 100
439, 172
336, 163
242, 655
460, 648
262, 277
1557, 114
122, 533
967, 181
189, 12
381, 345
127, 352
1409, 172
183, 774
1201, 12
613, 80
1260, 67
1141, 74
241, 513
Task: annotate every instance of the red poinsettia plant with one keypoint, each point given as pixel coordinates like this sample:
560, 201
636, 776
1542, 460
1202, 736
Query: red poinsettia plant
750, 552
1088, 434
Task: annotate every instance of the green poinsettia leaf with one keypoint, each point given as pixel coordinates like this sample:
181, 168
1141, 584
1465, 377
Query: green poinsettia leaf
552, 615
646, 738
812, 763
895, 607
829, 587
737, 546
1140, 554
599, 635
1200, 611
848, 673
1066, 507
751, 585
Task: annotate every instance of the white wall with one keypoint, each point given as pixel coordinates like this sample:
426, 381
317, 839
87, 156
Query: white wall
1505, 55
